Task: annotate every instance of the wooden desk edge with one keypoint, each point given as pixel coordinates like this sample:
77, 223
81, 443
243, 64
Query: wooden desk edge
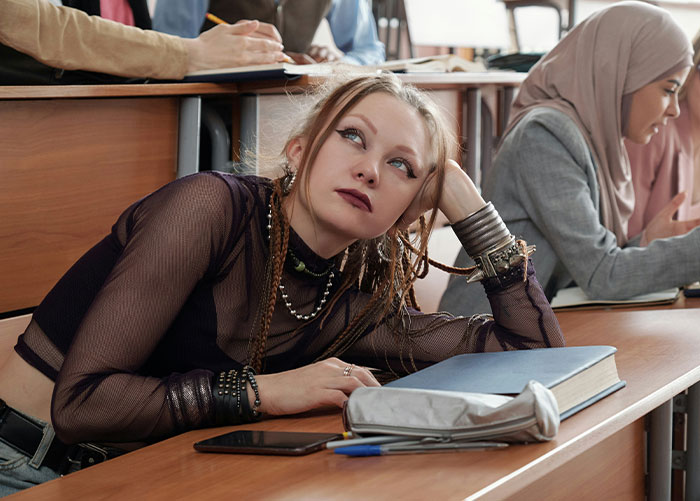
424, 80
114, 90
529, 473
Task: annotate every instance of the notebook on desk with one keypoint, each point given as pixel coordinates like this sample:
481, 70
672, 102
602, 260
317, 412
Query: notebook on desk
578, 376
438, 64
260, 72
575, 298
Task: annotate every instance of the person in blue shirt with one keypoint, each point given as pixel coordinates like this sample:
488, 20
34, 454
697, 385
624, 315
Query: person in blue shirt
351, 23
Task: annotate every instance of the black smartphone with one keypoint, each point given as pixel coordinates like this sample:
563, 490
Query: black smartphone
692, 290
286, 443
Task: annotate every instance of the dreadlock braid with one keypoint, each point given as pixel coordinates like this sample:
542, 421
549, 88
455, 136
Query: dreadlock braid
279, 241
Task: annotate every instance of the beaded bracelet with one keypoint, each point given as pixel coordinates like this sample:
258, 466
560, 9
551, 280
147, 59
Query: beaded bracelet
248, 375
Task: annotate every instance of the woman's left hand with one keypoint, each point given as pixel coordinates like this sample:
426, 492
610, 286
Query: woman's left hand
460, 197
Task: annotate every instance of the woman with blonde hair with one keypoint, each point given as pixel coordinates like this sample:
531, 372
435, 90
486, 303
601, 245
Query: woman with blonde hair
219, 298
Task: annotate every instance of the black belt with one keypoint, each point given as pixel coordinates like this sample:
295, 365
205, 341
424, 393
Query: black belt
25, 435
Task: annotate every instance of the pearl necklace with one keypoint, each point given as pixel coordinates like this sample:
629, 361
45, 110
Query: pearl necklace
300, 267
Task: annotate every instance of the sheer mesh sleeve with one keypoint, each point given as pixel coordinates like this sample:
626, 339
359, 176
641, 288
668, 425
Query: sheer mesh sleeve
171, 240
522, 318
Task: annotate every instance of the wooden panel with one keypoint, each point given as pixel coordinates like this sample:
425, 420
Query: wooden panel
616, 464
68, 168
126, 90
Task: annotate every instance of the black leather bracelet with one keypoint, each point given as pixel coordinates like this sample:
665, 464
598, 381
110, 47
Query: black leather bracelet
230, 392
226, 403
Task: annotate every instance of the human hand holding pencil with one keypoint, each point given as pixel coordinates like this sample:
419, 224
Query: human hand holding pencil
256, 29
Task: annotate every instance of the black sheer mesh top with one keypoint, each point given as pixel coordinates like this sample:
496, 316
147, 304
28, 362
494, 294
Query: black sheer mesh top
134, 331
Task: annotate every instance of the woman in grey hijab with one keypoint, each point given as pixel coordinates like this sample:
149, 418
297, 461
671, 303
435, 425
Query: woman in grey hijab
561, 177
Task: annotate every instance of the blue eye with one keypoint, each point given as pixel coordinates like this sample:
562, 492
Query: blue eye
403, 165
353, 135
399, 164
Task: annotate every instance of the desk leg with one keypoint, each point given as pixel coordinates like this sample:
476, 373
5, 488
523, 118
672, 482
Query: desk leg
250, 124
220, 140
473, 159
506, 102
659, 438
692, 469
188, 136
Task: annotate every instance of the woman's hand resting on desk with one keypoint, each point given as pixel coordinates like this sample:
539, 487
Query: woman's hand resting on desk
229, 45
324, 383
663, 225
460, 197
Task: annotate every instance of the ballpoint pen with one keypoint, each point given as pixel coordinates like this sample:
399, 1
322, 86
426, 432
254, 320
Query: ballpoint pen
416, 448
381, 439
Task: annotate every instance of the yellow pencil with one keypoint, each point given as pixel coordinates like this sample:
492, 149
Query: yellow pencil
218, 20
215, 19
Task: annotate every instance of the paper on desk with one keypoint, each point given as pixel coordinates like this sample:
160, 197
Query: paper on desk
574, 297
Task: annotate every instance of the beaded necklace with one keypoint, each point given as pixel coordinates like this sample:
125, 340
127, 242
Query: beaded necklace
300, 266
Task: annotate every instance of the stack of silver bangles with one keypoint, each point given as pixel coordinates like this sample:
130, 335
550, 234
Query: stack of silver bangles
489, 243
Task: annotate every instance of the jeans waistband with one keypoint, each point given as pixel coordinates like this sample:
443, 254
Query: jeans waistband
37, 440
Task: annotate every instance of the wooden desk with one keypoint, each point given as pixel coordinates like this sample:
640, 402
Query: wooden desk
72, 158
598, 453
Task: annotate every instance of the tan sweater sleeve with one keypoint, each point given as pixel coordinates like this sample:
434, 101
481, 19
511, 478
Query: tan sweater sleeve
70, 39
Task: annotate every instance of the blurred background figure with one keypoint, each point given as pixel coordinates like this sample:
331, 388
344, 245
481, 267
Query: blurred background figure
351, 24
129, 12
670, 163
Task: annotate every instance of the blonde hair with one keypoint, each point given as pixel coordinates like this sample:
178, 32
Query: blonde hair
384, 267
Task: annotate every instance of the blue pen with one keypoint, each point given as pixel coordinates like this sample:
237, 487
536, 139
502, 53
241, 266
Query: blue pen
380, 439
415, 447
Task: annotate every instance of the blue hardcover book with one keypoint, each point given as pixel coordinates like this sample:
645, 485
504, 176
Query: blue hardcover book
577, 375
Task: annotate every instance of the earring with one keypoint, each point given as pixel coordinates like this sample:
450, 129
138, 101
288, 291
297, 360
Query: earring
289, 182
384, 247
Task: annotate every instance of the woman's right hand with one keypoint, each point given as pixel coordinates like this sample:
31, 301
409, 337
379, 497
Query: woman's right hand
460, 197
317, 385
664, 226
230, 45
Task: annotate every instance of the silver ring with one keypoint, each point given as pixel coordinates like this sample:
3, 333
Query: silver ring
348, 370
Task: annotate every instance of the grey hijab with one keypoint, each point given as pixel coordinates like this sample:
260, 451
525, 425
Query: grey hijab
613, 53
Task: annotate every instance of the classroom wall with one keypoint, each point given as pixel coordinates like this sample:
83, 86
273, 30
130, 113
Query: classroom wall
537, 25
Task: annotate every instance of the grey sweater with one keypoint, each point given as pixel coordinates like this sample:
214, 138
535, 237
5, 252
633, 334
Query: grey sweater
543, 183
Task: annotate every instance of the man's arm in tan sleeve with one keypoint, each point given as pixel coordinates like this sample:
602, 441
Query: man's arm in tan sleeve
70, 39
